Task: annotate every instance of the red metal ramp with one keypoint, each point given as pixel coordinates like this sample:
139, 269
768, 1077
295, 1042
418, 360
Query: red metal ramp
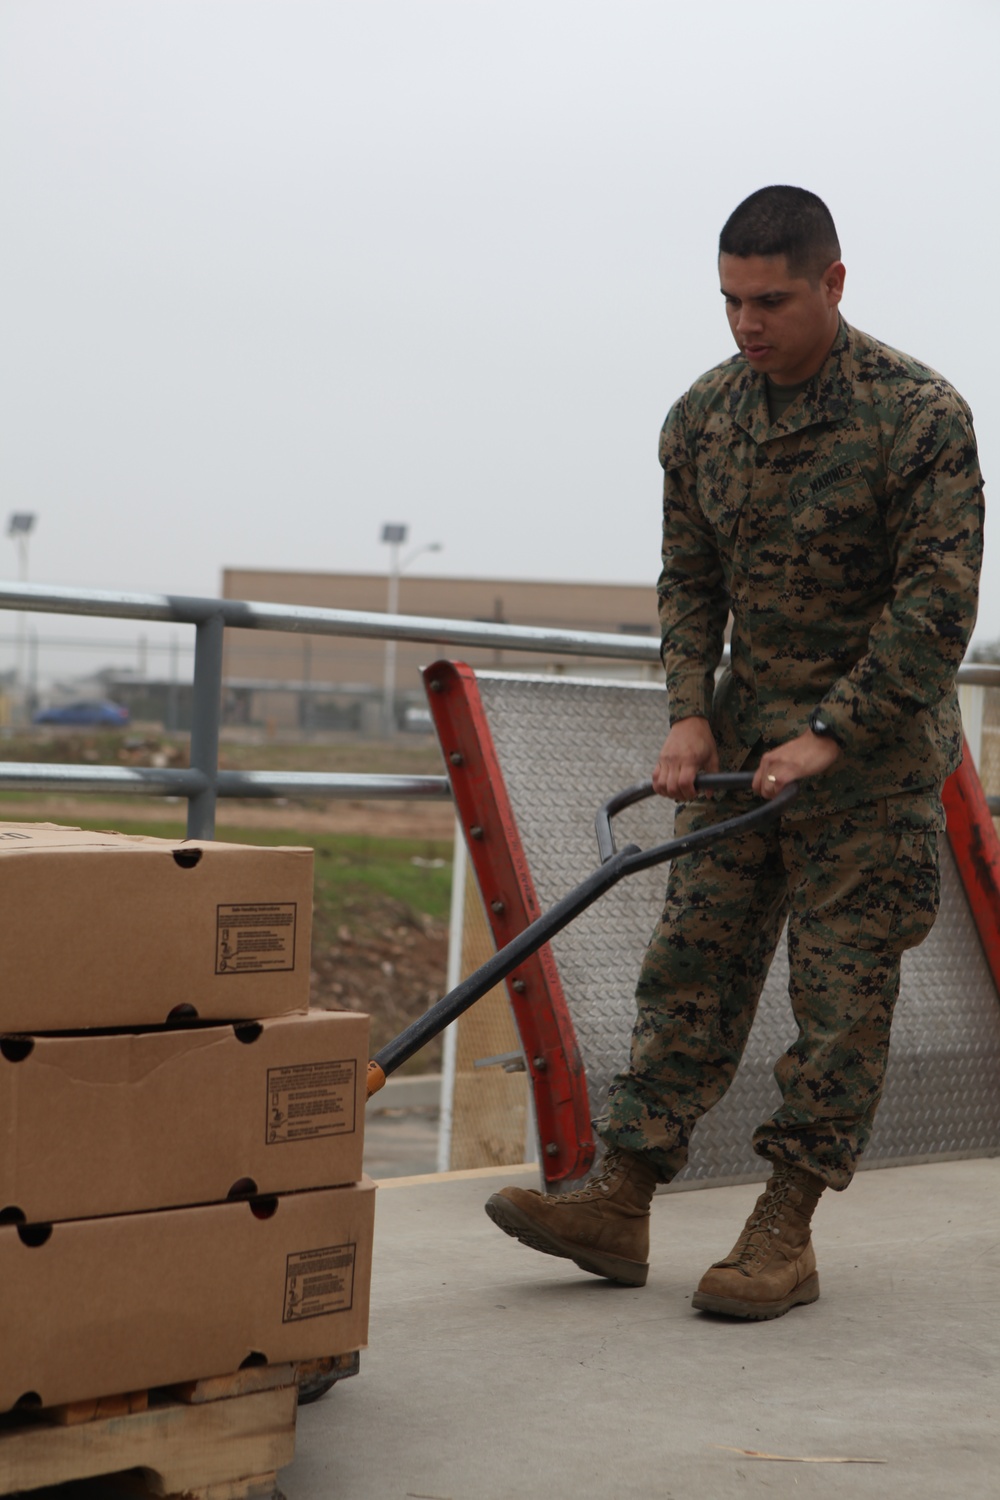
530, 760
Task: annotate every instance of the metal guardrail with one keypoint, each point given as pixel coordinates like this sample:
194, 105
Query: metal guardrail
204, 783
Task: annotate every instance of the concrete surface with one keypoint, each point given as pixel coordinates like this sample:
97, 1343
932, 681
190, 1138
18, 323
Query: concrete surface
409, 1091
401, 1127
494, 1372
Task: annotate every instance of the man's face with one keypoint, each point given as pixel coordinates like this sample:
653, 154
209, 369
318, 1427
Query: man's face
782, 324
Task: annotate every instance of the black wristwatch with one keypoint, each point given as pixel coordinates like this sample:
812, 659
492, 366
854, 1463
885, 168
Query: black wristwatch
823, 727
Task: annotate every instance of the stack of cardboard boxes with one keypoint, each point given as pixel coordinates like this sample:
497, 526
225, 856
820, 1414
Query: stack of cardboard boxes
180, 1138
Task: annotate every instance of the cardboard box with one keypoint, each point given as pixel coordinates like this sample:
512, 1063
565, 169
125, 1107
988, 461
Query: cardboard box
99, 1124
103, 929
121, 1304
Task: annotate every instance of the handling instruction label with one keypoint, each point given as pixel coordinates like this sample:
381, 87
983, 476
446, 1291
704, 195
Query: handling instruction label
318, 1282
307, 1101
255, 937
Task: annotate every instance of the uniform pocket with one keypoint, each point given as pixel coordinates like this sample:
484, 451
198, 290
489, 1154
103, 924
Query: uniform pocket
893, 903
839, 536
721, 497
916, 881
870, 883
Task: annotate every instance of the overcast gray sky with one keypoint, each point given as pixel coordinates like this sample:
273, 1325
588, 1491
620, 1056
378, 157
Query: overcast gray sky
278, 271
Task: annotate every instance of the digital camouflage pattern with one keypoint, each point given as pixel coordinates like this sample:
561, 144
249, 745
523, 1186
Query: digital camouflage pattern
857, 891
847, 540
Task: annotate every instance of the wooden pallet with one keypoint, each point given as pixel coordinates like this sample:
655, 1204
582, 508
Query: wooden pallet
219, 1439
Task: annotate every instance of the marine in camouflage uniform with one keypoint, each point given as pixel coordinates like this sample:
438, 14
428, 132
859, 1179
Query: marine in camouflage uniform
846, 538
825, 490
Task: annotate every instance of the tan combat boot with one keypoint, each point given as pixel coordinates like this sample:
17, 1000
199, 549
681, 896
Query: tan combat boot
772, 1266
602, 1227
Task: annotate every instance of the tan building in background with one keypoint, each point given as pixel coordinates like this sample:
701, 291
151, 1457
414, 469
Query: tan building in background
335, 682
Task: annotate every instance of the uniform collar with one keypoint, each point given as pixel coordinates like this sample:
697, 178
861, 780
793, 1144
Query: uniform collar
827, 398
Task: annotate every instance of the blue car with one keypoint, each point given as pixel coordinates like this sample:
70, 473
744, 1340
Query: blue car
92, 712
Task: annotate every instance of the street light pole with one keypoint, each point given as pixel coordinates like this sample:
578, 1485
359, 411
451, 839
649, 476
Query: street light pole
20, 526
396, 535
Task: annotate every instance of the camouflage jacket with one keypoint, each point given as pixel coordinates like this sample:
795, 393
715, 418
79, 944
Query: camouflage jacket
846, 539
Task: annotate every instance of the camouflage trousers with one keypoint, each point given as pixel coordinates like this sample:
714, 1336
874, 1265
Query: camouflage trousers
857, 889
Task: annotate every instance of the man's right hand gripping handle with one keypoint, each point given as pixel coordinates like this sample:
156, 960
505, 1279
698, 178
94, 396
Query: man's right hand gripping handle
688, 749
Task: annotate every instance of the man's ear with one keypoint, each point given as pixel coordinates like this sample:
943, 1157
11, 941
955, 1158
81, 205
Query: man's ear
832, 282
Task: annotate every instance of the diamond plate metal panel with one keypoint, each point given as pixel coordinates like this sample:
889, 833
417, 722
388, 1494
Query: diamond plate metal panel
565, 745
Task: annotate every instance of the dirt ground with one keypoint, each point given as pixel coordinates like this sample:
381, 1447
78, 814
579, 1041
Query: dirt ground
387, 961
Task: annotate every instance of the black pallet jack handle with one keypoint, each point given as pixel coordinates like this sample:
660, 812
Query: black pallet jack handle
615, 864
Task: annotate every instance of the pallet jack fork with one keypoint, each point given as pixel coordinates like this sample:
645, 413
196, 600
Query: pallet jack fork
521, 931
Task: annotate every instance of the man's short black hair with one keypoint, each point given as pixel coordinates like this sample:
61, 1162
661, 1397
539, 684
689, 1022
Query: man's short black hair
787, 221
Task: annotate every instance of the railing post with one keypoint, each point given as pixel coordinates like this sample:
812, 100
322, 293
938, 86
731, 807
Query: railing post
206, 712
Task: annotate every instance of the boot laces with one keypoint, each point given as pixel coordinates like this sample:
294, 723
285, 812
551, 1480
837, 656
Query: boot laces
764, 1223
605, 1180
